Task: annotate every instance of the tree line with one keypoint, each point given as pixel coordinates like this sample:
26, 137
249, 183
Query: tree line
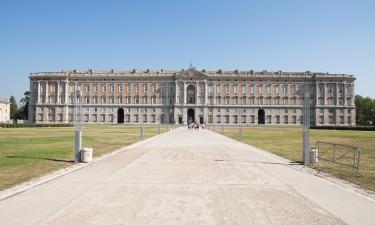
365, 109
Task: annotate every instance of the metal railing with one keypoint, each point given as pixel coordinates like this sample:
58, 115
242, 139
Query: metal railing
344, 155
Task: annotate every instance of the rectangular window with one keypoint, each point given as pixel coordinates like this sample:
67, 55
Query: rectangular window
210, 89
294, 89
145, 88
235, 89
277, 89
260, 89
104, 88
243, 89
252, 89
330, 88
285, 90
269, 90
218, 88
227, 89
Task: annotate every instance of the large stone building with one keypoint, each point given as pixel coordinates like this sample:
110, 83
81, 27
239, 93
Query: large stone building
4, 111
217, 97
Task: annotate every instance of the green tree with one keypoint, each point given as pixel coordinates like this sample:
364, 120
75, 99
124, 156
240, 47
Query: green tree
24, 109
365, 114
13, 108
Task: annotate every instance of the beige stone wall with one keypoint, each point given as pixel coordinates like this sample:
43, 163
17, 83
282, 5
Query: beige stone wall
278, 94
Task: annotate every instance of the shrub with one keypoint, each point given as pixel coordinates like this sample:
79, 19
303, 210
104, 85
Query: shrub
9, 125
363, 128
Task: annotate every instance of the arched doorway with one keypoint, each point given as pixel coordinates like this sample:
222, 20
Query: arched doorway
190, 116
190, 92
120, 115
261, 116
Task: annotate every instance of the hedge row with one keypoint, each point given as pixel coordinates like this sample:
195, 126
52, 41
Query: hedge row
17, 125
364, 128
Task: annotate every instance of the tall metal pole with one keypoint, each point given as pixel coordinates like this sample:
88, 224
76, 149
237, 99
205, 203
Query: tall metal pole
78, 131
306, 124
240, 125
141, 121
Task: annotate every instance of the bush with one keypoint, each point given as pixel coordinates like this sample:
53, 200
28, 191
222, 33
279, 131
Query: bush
9, 125
363, 128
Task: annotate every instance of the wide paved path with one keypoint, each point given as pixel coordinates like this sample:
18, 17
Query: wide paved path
189, 177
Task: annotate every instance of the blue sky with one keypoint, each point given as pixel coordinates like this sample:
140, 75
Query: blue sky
320, 35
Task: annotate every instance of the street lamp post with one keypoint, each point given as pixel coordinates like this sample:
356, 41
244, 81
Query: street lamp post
239, 124
78, 130
306, 124
141, 128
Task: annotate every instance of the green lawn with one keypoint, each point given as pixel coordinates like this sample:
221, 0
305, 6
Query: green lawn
287, 142
30, 152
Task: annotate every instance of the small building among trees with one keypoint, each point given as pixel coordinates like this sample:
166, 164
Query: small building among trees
4, 111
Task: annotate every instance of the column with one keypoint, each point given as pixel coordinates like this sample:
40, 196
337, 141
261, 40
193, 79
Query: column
185, 97
344, 93
66, 92
31, 106
46, 95
316, 93
66, 107
176, 93
38, 100
205, 92
58, 92
324, 102
316, 103
337, 111
196, 92
337, 94
324, 93
353, 112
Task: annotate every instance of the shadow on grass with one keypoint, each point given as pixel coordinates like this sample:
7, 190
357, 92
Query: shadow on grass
41, 158
261, 162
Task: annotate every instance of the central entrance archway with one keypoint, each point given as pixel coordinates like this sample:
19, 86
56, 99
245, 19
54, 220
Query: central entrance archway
261, 116
120, 115
190, 116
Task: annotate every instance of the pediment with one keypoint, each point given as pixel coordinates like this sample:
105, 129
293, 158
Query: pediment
191, 73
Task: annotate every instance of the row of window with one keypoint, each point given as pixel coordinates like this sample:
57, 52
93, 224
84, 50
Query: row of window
331, 87
164, 88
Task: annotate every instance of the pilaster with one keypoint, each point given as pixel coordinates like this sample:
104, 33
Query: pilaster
46, 95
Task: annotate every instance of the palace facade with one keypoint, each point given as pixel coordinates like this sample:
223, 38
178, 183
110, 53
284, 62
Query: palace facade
214, 97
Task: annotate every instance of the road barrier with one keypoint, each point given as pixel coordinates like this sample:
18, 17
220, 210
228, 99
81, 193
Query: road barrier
344, 155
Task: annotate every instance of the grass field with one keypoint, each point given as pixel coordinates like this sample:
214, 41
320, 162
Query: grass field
30, 152
287, 142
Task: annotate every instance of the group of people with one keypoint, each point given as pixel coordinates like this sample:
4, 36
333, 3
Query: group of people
195, 126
